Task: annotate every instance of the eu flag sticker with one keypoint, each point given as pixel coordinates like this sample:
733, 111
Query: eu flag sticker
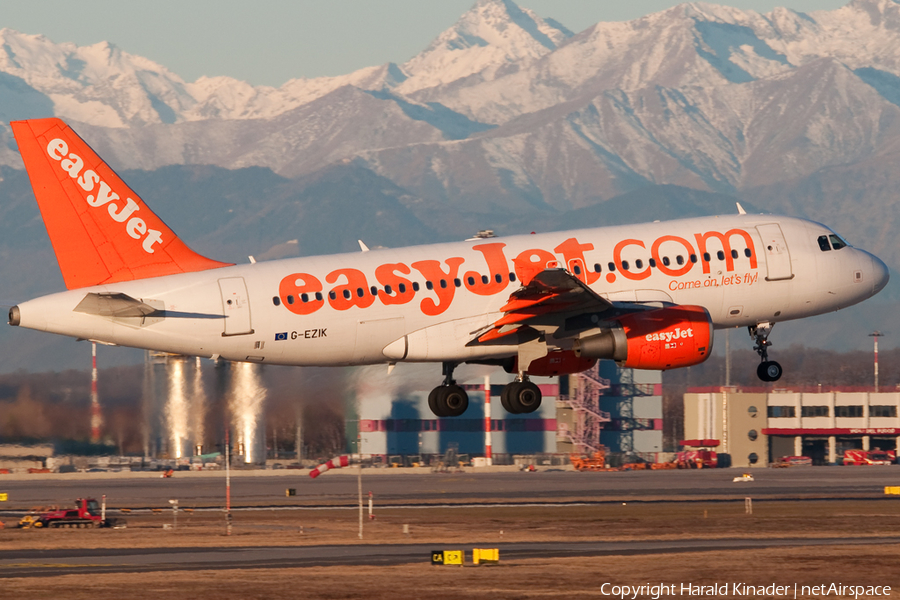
280, 336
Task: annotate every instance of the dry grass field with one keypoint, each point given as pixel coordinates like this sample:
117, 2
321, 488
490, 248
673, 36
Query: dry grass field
870, 564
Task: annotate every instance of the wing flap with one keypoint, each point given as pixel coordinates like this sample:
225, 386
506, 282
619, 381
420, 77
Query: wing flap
548, 292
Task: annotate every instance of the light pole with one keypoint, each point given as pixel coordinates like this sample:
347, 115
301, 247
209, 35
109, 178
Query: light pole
875, 335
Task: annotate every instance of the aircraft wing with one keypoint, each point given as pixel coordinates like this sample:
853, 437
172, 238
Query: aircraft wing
549, 291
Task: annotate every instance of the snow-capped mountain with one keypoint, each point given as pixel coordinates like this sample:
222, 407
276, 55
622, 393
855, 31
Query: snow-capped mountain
507, 111
505, 120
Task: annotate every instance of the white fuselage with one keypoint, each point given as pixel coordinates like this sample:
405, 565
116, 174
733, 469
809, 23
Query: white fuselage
760, 269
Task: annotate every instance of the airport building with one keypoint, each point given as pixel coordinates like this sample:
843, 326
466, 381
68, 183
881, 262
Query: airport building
756, 427
390, 423
620, 409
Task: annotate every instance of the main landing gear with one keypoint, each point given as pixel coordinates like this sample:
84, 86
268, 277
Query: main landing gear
521, 396
448, 399
768, 370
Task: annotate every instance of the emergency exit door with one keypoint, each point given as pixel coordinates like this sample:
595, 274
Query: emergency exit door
778, 257
235, 306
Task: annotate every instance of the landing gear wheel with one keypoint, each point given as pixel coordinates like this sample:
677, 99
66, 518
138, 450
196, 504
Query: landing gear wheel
454, 401
521, 397
504, 399
769, 371
448, 401
432, 401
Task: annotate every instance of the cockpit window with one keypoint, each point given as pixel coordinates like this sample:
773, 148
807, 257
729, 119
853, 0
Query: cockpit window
837, 242
824, 246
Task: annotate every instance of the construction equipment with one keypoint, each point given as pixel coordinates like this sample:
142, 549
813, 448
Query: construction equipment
86, 514
594, 462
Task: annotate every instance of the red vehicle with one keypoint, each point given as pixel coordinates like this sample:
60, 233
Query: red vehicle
698, 454
85, 514
869, 457
792, 461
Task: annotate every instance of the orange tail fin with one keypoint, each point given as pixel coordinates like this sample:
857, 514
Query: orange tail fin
101, 231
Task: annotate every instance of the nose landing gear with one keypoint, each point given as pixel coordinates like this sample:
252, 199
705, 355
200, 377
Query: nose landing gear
768, 370
448, 399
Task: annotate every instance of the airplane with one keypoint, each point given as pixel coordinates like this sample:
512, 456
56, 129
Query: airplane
648, 296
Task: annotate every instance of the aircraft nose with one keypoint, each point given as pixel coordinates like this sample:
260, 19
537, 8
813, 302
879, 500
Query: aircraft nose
880, 273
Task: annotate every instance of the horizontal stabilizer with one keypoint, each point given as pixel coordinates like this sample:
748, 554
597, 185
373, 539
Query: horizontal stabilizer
113, 305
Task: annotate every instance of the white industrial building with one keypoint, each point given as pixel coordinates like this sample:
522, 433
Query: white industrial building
757, 427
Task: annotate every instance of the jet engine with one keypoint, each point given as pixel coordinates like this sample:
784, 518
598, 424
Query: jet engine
664, 338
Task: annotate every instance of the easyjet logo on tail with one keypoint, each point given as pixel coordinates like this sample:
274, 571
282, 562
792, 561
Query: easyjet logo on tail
89, 181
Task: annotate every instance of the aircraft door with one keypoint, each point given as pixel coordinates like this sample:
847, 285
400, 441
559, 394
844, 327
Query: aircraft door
235, 306
778, 257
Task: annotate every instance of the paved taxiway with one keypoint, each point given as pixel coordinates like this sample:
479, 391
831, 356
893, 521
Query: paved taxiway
42, 563
394, 488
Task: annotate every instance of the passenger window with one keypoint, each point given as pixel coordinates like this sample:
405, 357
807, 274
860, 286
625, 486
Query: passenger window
415, 286
836, 242
402, 288
624, 265
824, 246
577, 270
639, 264
693, 258
706, 256
276, 301
512, 276
303, 297
332, 295
612, 267
498, 278
720, 255
347, 294
484, 279
666, 261
597, 268
429, 285
387, 290
748, 252
734, 254
360, 292
374, 290
471, 280
679, 259
290, 299
457, 282
319, 296
652, 262
443, 283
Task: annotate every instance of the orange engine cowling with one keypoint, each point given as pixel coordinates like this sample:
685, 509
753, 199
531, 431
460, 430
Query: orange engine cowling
665, 338
559, 362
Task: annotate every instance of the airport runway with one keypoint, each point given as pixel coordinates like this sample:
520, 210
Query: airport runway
394, 488
44, 563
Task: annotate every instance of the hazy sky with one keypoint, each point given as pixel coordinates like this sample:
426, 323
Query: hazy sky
267, 42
